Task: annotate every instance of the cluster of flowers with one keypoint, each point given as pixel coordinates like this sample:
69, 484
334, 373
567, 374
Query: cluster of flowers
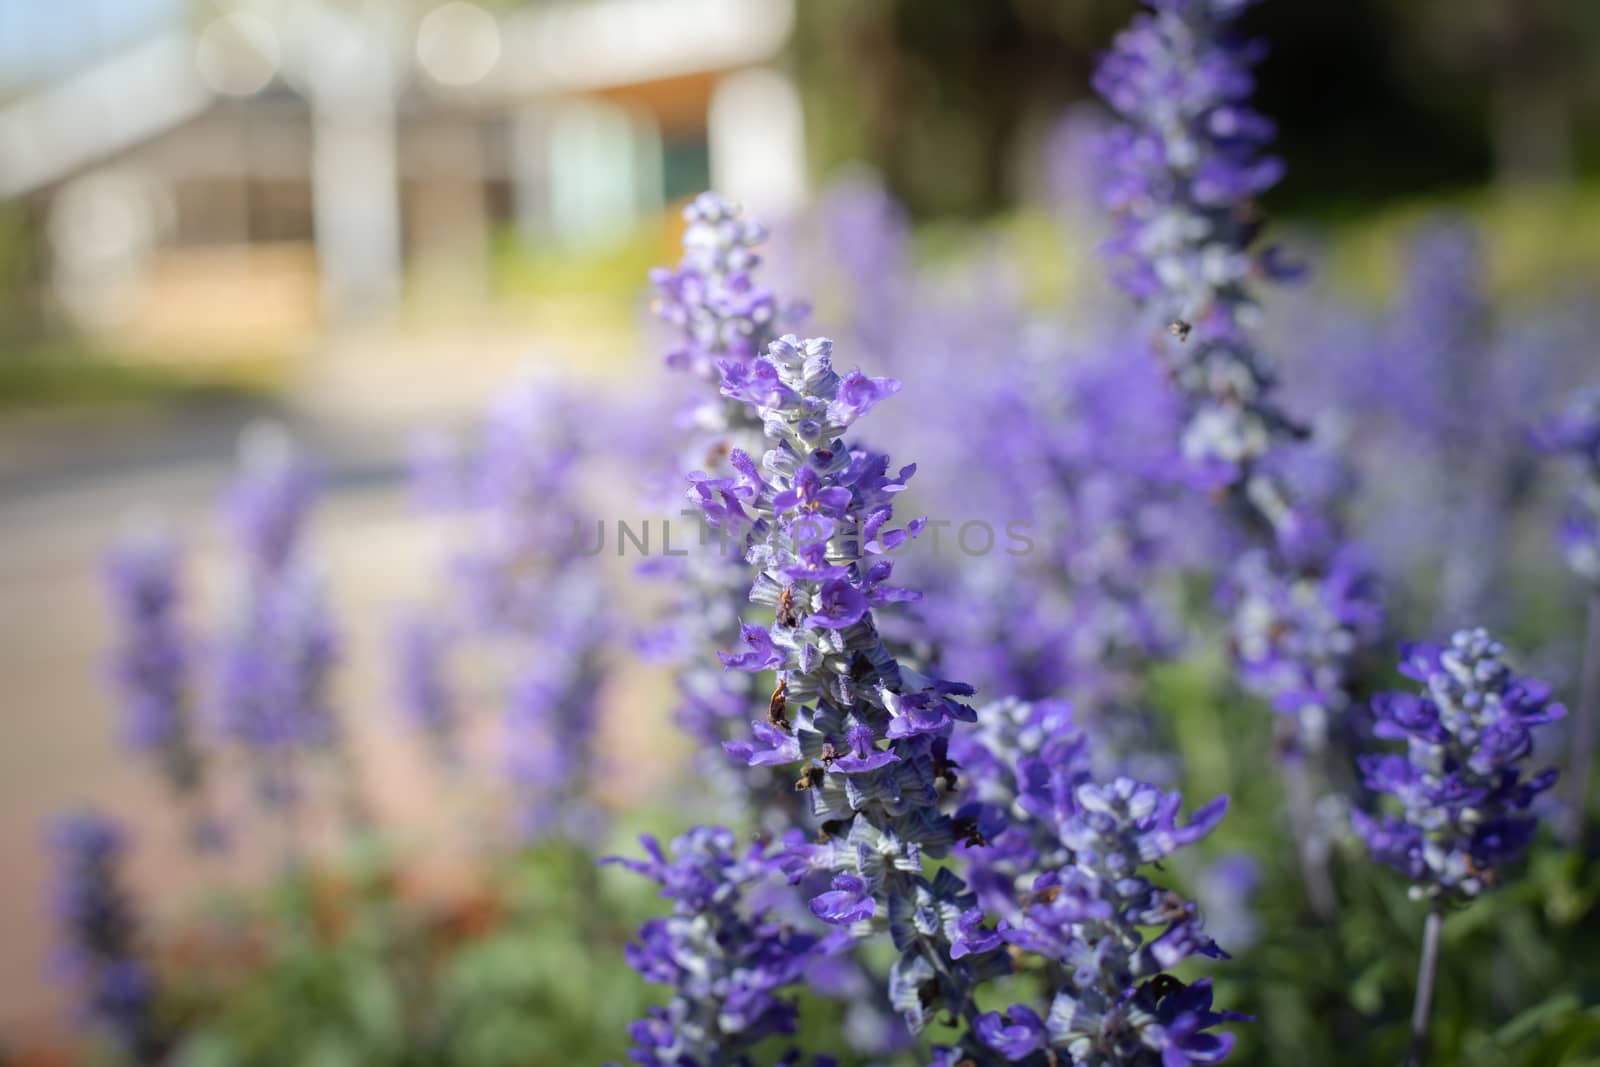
816, 515
1184, 167
528, 586
1051, 853
1061, 871
1444, 377
1053, 579
1120, 1004
1084, 611
873, 739
879, 782
271, 663
1181, 169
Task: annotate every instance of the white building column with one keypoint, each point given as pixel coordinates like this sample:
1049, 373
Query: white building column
355, 184
346, 63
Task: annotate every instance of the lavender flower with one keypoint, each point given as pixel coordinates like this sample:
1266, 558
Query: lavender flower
1184, 167
1079, 464
719, 312
1182, 170
1120, 1006
100, 934
152, 659
530, 524
1464, 801
531, 592
727, 960
278, 651
1058, 864
1190, 152
1438, 338
1452, 373
816, 516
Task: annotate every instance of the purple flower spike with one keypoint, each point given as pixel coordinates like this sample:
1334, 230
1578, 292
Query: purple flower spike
151, 662
838, 684
1459, 788
268, 506
1091, 911
727, 960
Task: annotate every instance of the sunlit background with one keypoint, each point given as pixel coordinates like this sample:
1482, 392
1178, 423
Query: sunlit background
359, 219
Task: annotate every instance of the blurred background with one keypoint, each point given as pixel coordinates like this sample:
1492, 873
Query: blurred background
359, 218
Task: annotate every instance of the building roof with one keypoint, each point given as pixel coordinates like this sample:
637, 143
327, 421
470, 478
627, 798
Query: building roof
98, 112
578, 46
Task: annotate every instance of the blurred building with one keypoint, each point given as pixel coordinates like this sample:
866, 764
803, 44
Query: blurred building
261, 172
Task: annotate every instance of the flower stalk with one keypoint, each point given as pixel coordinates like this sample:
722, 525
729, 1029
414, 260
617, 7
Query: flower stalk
1427, 972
